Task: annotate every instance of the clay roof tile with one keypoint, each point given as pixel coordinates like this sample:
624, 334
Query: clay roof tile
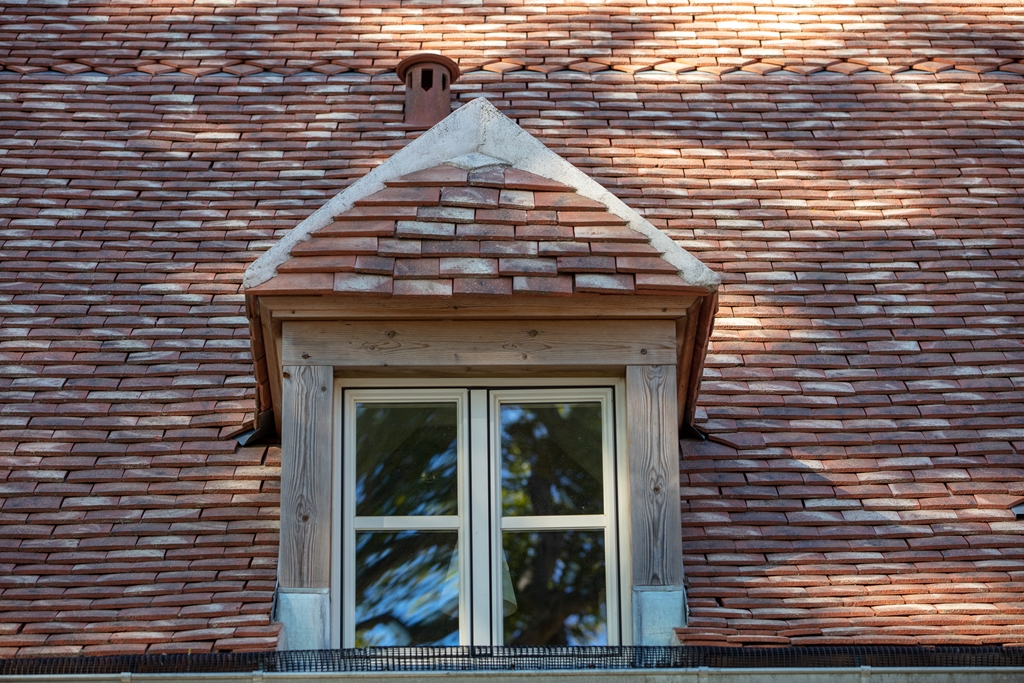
469, 251
436, 176
475, 218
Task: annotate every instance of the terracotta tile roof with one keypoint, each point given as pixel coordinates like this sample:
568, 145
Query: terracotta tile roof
501, 231
867, 224
520, 43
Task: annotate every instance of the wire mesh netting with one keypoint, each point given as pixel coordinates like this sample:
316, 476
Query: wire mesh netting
400, 659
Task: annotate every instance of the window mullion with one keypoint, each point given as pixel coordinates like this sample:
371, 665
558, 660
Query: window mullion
348, 534
477, 567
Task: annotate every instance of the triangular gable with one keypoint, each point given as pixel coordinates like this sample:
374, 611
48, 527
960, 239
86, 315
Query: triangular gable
474, 137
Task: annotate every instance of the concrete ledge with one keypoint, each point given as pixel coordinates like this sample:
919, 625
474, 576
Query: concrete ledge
864, 674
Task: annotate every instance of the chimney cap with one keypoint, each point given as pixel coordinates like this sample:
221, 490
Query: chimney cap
428, 57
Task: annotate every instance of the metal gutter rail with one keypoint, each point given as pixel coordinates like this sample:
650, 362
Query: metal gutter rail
703, 675
861, 664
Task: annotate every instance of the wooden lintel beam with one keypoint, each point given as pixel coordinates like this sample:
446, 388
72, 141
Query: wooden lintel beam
479, 343
596, 307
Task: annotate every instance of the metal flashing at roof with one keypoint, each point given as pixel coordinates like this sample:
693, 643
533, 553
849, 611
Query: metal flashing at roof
473, 137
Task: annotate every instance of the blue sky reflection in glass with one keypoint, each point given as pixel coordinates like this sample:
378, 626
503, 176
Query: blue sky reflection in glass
406, 459
407, 589
559, 581
551, 459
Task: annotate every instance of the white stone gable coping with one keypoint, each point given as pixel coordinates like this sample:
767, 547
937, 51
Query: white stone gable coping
478, 135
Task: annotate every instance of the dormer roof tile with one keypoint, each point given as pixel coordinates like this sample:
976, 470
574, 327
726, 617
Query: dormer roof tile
471, 238
476, 186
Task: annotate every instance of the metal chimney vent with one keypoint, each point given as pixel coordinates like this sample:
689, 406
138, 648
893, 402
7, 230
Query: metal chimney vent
428, 95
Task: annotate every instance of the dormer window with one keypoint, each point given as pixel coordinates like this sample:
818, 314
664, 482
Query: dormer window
483, 515
479, 361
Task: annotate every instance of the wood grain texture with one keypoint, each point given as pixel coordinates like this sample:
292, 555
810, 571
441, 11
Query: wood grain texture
686, 334
305, 560
472, 372
702, 335
272, 347
479, 343
603, 306
655, 521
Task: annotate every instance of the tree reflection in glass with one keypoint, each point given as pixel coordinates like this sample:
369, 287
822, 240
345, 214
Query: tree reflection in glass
551, 459
559, 583
407, 589
406, 459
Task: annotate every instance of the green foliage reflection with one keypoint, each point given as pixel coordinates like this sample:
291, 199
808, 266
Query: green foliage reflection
559, 583
407, 589
406, 459
551, 459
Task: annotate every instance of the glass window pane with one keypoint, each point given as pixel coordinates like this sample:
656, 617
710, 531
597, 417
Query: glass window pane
406, 459
551, 459
554, 588
407, 589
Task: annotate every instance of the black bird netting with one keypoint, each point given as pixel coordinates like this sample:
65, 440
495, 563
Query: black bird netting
400, 659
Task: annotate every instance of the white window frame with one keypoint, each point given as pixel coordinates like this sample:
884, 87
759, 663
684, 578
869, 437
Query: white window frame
479, 400
352, 524
604, 522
